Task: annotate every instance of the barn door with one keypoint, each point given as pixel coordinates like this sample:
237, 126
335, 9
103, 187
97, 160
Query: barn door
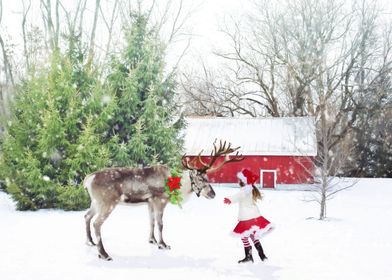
267, 178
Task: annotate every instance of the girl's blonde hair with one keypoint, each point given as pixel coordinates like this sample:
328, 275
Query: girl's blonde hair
256, 194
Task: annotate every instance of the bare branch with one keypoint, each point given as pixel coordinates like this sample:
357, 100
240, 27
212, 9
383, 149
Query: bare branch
24, 19
93, 30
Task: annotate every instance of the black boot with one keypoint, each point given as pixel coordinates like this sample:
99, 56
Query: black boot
248, 255
261, 252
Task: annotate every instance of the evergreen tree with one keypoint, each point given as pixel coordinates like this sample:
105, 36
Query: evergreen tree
373, 132
143, 128
54, 137
373, 145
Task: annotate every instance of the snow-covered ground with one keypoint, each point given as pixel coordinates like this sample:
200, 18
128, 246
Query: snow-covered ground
355, 242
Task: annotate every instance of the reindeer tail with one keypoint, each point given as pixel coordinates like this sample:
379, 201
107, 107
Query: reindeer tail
88, 181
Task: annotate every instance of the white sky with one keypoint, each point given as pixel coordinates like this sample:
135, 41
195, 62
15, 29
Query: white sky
204, 22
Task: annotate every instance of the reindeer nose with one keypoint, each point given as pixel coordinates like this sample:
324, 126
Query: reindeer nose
211, 194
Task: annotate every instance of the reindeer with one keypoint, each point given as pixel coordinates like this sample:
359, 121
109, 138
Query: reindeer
128, 186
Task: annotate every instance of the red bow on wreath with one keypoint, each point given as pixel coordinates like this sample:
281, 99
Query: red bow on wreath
173, 183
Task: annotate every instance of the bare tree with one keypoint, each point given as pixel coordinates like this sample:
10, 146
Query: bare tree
6, 85
6, 61
214, 94
24, 32
109, 25
327, 169
279, 53
247, 81
93, 30
80, 12
328, 165
253, 68
52, 29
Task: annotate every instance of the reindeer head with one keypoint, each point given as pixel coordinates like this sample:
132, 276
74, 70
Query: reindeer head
198, 168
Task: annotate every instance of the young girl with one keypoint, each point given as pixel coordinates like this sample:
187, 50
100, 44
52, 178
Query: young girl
251, 223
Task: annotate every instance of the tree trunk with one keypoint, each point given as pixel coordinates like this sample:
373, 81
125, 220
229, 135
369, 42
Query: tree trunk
7, 65
323, 204
25, 51
92, 37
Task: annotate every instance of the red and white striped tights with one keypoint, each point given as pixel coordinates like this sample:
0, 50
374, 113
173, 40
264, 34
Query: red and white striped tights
245, 240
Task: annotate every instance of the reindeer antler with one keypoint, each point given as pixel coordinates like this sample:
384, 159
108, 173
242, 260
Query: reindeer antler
215, 154
186, 164
223, 150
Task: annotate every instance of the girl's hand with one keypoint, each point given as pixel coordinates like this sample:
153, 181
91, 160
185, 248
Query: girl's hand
226, 201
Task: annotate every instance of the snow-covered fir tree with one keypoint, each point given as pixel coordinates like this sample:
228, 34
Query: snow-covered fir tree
53, 138
144, 128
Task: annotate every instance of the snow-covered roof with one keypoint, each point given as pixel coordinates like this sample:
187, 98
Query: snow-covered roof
291, 136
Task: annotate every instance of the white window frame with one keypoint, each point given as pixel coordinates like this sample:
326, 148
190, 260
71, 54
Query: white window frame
262, 171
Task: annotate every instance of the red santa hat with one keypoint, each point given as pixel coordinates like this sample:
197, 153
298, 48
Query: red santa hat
247, 177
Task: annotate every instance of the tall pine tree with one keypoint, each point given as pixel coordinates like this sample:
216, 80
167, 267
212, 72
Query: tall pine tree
54, 137
144, 128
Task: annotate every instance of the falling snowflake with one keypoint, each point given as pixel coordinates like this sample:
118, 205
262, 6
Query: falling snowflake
105, 100
55, 156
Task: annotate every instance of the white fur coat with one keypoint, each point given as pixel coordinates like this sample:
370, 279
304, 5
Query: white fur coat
247, 207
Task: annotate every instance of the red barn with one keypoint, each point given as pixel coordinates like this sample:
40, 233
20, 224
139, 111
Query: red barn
281, 150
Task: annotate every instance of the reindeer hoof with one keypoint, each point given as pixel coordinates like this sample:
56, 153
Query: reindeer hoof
90, 243
107, 258
152, 241
164, 246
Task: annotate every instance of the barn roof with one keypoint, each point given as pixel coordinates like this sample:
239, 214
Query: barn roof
291, 136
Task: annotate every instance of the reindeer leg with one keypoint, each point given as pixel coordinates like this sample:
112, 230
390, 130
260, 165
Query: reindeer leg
159, 212
151, 211
88, 217
102, 216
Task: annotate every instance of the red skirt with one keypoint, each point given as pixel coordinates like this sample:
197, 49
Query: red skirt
257, 226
